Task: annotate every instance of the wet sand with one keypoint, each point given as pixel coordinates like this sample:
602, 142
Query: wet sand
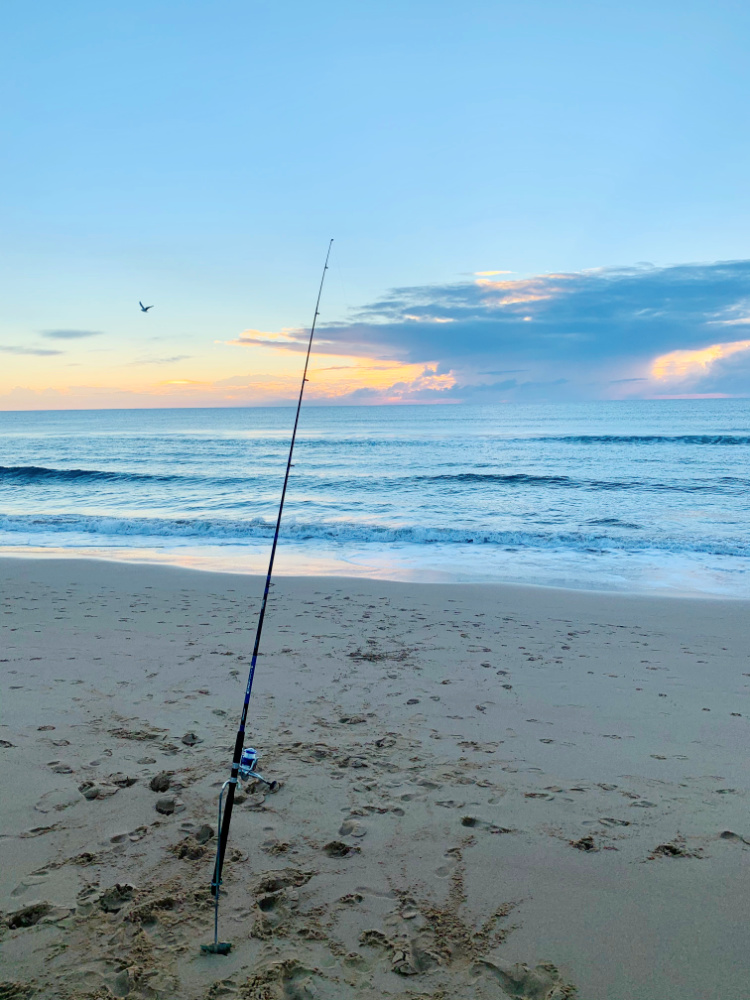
485, 791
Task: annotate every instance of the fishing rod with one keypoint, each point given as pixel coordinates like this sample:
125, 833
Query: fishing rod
251, 755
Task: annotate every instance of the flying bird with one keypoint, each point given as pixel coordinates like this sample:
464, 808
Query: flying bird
144, 308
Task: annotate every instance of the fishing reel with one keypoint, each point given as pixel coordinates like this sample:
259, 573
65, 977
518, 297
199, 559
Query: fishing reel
248, 764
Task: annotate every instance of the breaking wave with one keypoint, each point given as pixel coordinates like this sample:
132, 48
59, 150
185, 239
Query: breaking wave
100, 529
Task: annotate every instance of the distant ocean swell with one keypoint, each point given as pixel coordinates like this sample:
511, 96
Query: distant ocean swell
29, 475
704, 439
196, 440
723, 483
227, 531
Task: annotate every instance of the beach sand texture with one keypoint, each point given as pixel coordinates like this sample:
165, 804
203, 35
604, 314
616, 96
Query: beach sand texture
485, 791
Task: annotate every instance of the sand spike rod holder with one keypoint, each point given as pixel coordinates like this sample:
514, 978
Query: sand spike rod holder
237, 760
248, 765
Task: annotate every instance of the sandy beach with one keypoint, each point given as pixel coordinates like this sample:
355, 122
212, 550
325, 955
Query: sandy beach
485, 791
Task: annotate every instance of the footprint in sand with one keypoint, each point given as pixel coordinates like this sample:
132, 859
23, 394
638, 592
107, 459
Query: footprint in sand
93, 790
28, 883
29, 915
674, 850
189, 849
134, 835
121, 780
60, 767
169, 805
338, 849
586, 844
453, 856
115, 897
733, 837
541, 983
475, 823
160, 782
39, 831
352, 828
57, 800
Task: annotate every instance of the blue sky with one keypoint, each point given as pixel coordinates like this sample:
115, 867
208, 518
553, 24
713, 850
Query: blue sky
199, 155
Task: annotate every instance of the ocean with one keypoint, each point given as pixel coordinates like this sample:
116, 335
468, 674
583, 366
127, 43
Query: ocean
646, 496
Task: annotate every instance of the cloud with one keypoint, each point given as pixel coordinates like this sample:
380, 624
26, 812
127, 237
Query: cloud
600, 331
71, 334
683, 364
161, 361
605, 313
184, 381
287, 340
379, 381
729, 374
40, 352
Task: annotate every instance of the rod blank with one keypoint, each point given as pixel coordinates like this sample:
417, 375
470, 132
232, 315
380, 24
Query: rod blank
240, 740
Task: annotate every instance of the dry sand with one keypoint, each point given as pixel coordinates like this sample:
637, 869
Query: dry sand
485, 791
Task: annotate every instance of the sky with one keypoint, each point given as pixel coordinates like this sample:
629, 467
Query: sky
530, 201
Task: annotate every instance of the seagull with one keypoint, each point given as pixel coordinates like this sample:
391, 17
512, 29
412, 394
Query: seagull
144, 308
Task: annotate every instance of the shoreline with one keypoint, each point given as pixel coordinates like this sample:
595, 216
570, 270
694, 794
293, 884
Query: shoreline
589, 750
287, 566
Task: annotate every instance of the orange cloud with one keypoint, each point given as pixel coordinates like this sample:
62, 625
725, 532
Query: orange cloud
683, 364
520, 291
380, 377
381, 380
182, 381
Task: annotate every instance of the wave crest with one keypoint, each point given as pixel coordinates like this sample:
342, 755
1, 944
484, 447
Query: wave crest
107, 530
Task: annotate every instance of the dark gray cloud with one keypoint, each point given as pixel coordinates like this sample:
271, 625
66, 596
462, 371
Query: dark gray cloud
71, 334
730, 375
616, 312
587, 332
40, 352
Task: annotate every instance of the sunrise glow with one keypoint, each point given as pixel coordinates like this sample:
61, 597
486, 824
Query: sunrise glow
682, 364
